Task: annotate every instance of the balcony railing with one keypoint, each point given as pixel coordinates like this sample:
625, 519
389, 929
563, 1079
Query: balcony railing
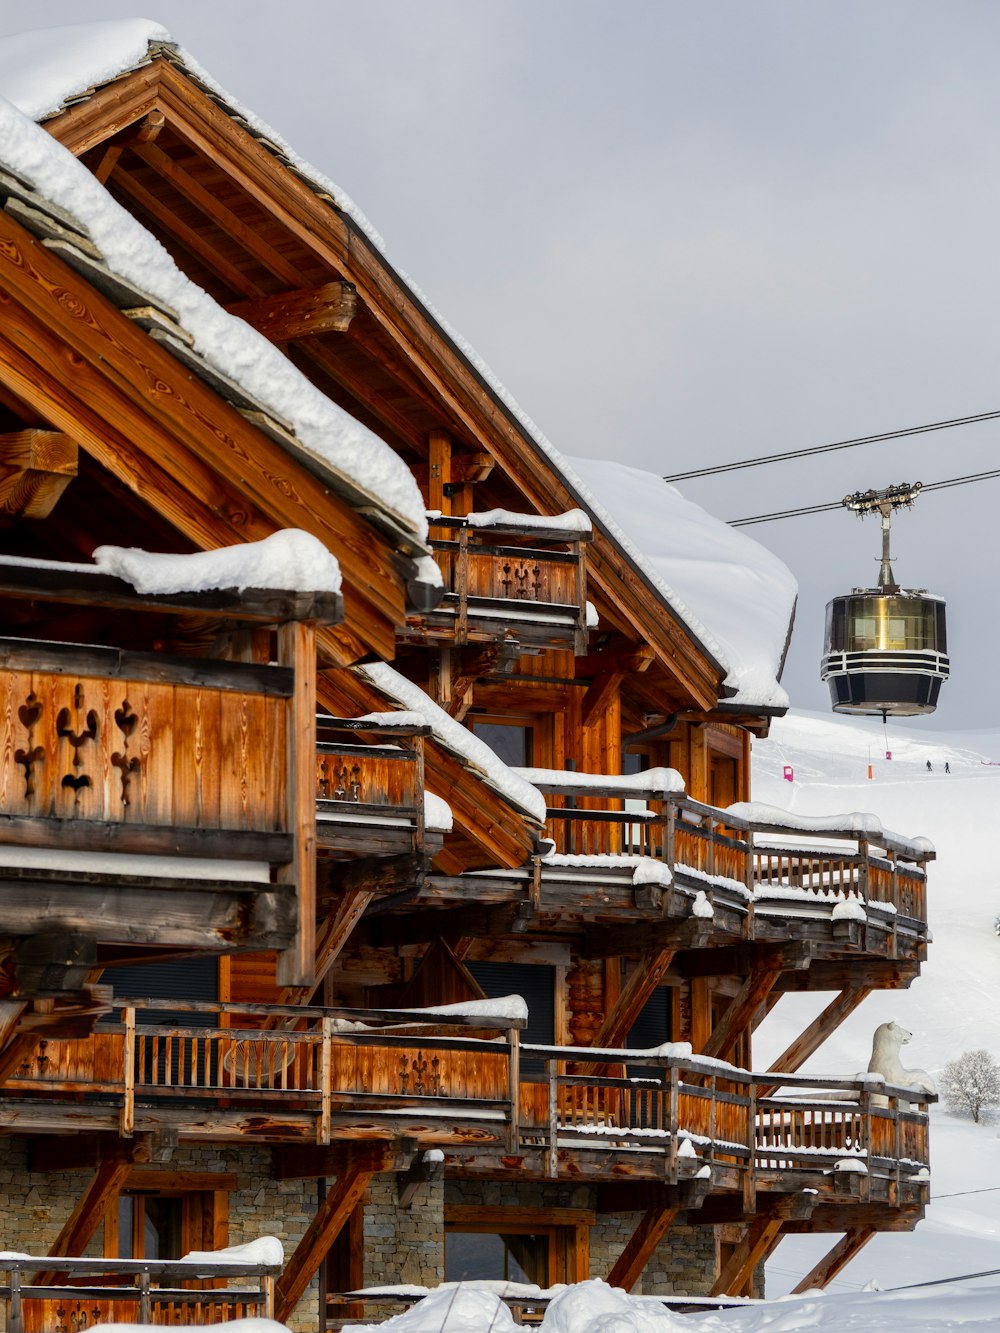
370, 787
515, 579
134, 1291
671, 1117
285, 1074
278, 1073
744, 855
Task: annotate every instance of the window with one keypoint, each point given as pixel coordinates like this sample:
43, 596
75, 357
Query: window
542, 1245
162, 1214
511, 742
536, 984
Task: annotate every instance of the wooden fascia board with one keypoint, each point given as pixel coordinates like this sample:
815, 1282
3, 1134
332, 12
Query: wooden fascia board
318, 225
480, 814
97, 376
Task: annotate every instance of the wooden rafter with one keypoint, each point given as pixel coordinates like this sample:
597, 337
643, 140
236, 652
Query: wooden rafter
653, 1226
835, 1260
300, 313
324, 1228
219, 479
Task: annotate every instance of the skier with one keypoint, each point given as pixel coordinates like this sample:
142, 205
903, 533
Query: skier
928, 766
947, 766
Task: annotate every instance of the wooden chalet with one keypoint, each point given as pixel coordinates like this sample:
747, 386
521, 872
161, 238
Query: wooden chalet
250, 835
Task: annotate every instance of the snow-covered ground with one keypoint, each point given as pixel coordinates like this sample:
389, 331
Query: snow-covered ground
954, 1006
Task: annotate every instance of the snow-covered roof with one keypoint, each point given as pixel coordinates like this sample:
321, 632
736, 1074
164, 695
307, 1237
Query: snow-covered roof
734, 597
38, 71
454, 737
733, 593
290, 559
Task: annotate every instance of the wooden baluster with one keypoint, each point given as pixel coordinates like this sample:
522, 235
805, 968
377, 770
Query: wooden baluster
127, 1118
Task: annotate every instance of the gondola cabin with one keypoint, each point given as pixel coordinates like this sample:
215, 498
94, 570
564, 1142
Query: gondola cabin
886, 648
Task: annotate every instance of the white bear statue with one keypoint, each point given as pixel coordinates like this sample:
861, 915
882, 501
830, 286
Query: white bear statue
889, 1039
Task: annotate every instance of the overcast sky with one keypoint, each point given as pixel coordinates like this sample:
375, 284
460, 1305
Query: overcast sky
685, 233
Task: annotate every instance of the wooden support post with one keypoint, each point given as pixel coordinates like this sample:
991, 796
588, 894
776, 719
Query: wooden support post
297, 649
812, 1037
652, 1227
738, 1016
324, 1229
835, 1260
737, 1272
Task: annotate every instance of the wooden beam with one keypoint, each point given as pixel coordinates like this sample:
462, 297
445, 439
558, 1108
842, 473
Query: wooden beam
168, 436
812, 1037
738, 1016
835, 1260
643, 980
297, 314
36, 466
599, 695
334, 933
324, 1229
78, 1229
761, 1234
145, 131
470, 468
629, 1265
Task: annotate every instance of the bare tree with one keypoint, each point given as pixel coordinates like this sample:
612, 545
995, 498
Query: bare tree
972, 1083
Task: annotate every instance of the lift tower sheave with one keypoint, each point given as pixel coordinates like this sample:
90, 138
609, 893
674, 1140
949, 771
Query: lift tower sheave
886, 647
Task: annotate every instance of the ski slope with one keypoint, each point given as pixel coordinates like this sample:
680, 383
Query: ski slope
954, 1005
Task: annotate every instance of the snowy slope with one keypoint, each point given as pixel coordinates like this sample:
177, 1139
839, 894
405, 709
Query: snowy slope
954, 1006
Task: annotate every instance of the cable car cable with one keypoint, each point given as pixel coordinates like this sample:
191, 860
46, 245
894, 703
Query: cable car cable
830, 448
824, 508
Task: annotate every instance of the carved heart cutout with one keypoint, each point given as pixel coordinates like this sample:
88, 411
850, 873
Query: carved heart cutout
30, 711
125, 719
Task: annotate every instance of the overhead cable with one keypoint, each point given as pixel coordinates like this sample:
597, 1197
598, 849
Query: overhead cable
838, 444
838, 504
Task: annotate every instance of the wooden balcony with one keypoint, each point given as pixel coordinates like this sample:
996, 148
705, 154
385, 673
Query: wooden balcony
273, 1074
126, 776
757, 876
677, 1118
370, 788
508, 580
